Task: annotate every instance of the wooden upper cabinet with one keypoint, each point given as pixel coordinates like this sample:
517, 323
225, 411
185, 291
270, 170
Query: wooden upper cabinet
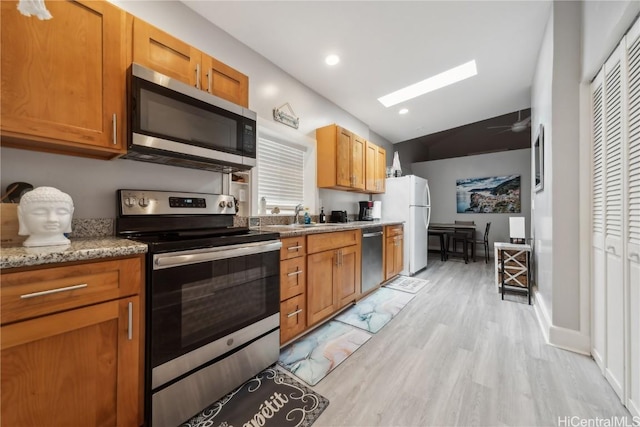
221, 80
161, 52
375, 168
381, 169
357, 162
340, 159
63, 80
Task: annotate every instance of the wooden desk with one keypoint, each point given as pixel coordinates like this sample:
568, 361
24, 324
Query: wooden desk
512, 267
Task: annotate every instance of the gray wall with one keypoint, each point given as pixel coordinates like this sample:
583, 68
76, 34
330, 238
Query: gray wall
92, 183
442, 175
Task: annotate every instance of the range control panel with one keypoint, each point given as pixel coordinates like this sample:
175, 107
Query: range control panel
148, 202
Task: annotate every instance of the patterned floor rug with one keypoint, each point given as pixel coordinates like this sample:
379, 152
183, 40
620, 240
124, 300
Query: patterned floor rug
313, 356
270, 399
407, 284
376, 310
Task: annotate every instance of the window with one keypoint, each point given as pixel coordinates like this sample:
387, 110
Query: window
280, 173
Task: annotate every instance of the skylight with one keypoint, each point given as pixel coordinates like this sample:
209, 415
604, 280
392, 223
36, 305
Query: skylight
430, 84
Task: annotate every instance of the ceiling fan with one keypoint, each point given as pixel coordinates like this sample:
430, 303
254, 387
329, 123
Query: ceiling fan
519, 126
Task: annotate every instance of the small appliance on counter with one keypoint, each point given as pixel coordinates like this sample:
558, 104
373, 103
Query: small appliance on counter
366, 210
376, 211
338, 216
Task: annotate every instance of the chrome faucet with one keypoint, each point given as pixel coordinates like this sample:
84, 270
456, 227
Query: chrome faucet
296, 212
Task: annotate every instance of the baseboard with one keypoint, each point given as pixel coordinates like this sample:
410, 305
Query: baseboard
566, 339
598, 359
633, 408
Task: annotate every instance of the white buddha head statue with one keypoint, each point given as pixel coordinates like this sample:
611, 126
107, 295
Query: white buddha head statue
44, 214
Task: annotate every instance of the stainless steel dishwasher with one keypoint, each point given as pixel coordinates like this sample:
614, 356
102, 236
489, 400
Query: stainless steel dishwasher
372, 268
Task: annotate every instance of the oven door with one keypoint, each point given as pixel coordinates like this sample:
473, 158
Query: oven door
205, 303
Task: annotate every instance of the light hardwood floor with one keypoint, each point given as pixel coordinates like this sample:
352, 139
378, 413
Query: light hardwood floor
458, 355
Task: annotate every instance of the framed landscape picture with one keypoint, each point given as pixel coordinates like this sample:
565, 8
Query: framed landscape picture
538, 153
495, 194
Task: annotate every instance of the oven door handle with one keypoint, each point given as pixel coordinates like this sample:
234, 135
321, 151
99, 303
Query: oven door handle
176, 259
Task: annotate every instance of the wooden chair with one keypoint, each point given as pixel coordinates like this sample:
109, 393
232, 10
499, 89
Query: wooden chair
458, 232
453, 238
484, 242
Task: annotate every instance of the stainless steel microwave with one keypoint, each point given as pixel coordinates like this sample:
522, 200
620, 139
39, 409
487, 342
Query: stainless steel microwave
176, 124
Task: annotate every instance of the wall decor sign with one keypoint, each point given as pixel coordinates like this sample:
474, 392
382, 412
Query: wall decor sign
289, 119
495, 194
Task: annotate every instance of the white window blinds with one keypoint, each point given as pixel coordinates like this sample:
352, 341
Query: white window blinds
280, 173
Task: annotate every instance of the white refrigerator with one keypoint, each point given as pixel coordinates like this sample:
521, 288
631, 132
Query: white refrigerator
407, 199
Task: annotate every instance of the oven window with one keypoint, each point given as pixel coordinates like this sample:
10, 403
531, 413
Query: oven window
196, 304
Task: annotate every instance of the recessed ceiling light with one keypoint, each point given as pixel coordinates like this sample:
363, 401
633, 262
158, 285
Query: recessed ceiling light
332, 59
438, 81
403, 111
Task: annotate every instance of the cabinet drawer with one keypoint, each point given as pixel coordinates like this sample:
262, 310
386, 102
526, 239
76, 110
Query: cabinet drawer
33, 293
292, 247
292, 277
393, 230
328, 241
293, 313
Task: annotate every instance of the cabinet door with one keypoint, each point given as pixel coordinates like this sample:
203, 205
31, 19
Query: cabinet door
370, 157
292, 317
344, 176
321, 276
166, 54
389, 251
381, 169
358, 145
79, 367
63, 80
398, 259
292, 277
221, 80
348, 280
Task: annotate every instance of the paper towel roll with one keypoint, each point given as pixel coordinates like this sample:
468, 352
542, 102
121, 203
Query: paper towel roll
376, 212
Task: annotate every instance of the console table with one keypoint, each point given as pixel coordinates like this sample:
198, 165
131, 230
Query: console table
512, 268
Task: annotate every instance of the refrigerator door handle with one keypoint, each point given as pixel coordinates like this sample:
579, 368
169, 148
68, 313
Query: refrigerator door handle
427, 217
427, 195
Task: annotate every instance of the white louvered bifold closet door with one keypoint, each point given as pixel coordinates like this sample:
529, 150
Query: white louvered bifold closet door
633, 219
598, 275
613, 137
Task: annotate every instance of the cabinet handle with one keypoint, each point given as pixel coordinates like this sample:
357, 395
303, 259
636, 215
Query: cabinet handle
197, 76
53, 291
294, 313
634, 255
114, 137
130, 322
611, 249
294, 248
294, 273
337, 258
209, 80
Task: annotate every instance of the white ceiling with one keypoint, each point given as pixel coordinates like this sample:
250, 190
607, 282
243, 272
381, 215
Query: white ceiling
386, 45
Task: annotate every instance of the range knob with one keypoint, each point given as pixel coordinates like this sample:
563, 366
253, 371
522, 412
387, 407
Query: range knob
230, 204
222, 204
129, 202
143, 202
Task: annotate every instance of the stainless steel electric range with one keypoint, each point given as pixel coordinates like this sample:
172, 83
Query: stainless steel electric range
211, 299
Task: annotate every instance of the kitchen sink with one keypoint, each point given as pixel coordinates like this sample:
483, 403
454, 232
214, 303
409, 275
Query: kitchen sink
315, 224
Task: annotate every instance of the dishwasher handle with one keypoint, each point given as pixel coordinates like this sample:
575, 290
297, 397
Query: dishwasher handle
377, 233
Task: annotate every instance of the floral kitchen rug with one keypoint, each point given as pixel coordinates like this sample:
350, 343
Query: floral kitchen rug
407, 284
313, 356
376, 310
270, 399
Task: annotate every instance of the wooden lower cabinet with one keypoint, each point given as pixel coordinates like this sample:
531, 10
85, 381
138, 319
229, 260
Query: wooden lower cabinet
393, 251
79, 366
333, 275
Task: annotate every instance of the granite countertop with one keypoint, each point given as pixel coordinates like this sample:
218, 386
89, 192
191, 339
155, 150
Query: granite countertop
80, 249
301, 230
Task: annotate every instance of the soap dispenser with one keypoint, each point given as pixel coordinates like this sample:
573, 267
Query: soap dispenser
307, 218
321, 217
